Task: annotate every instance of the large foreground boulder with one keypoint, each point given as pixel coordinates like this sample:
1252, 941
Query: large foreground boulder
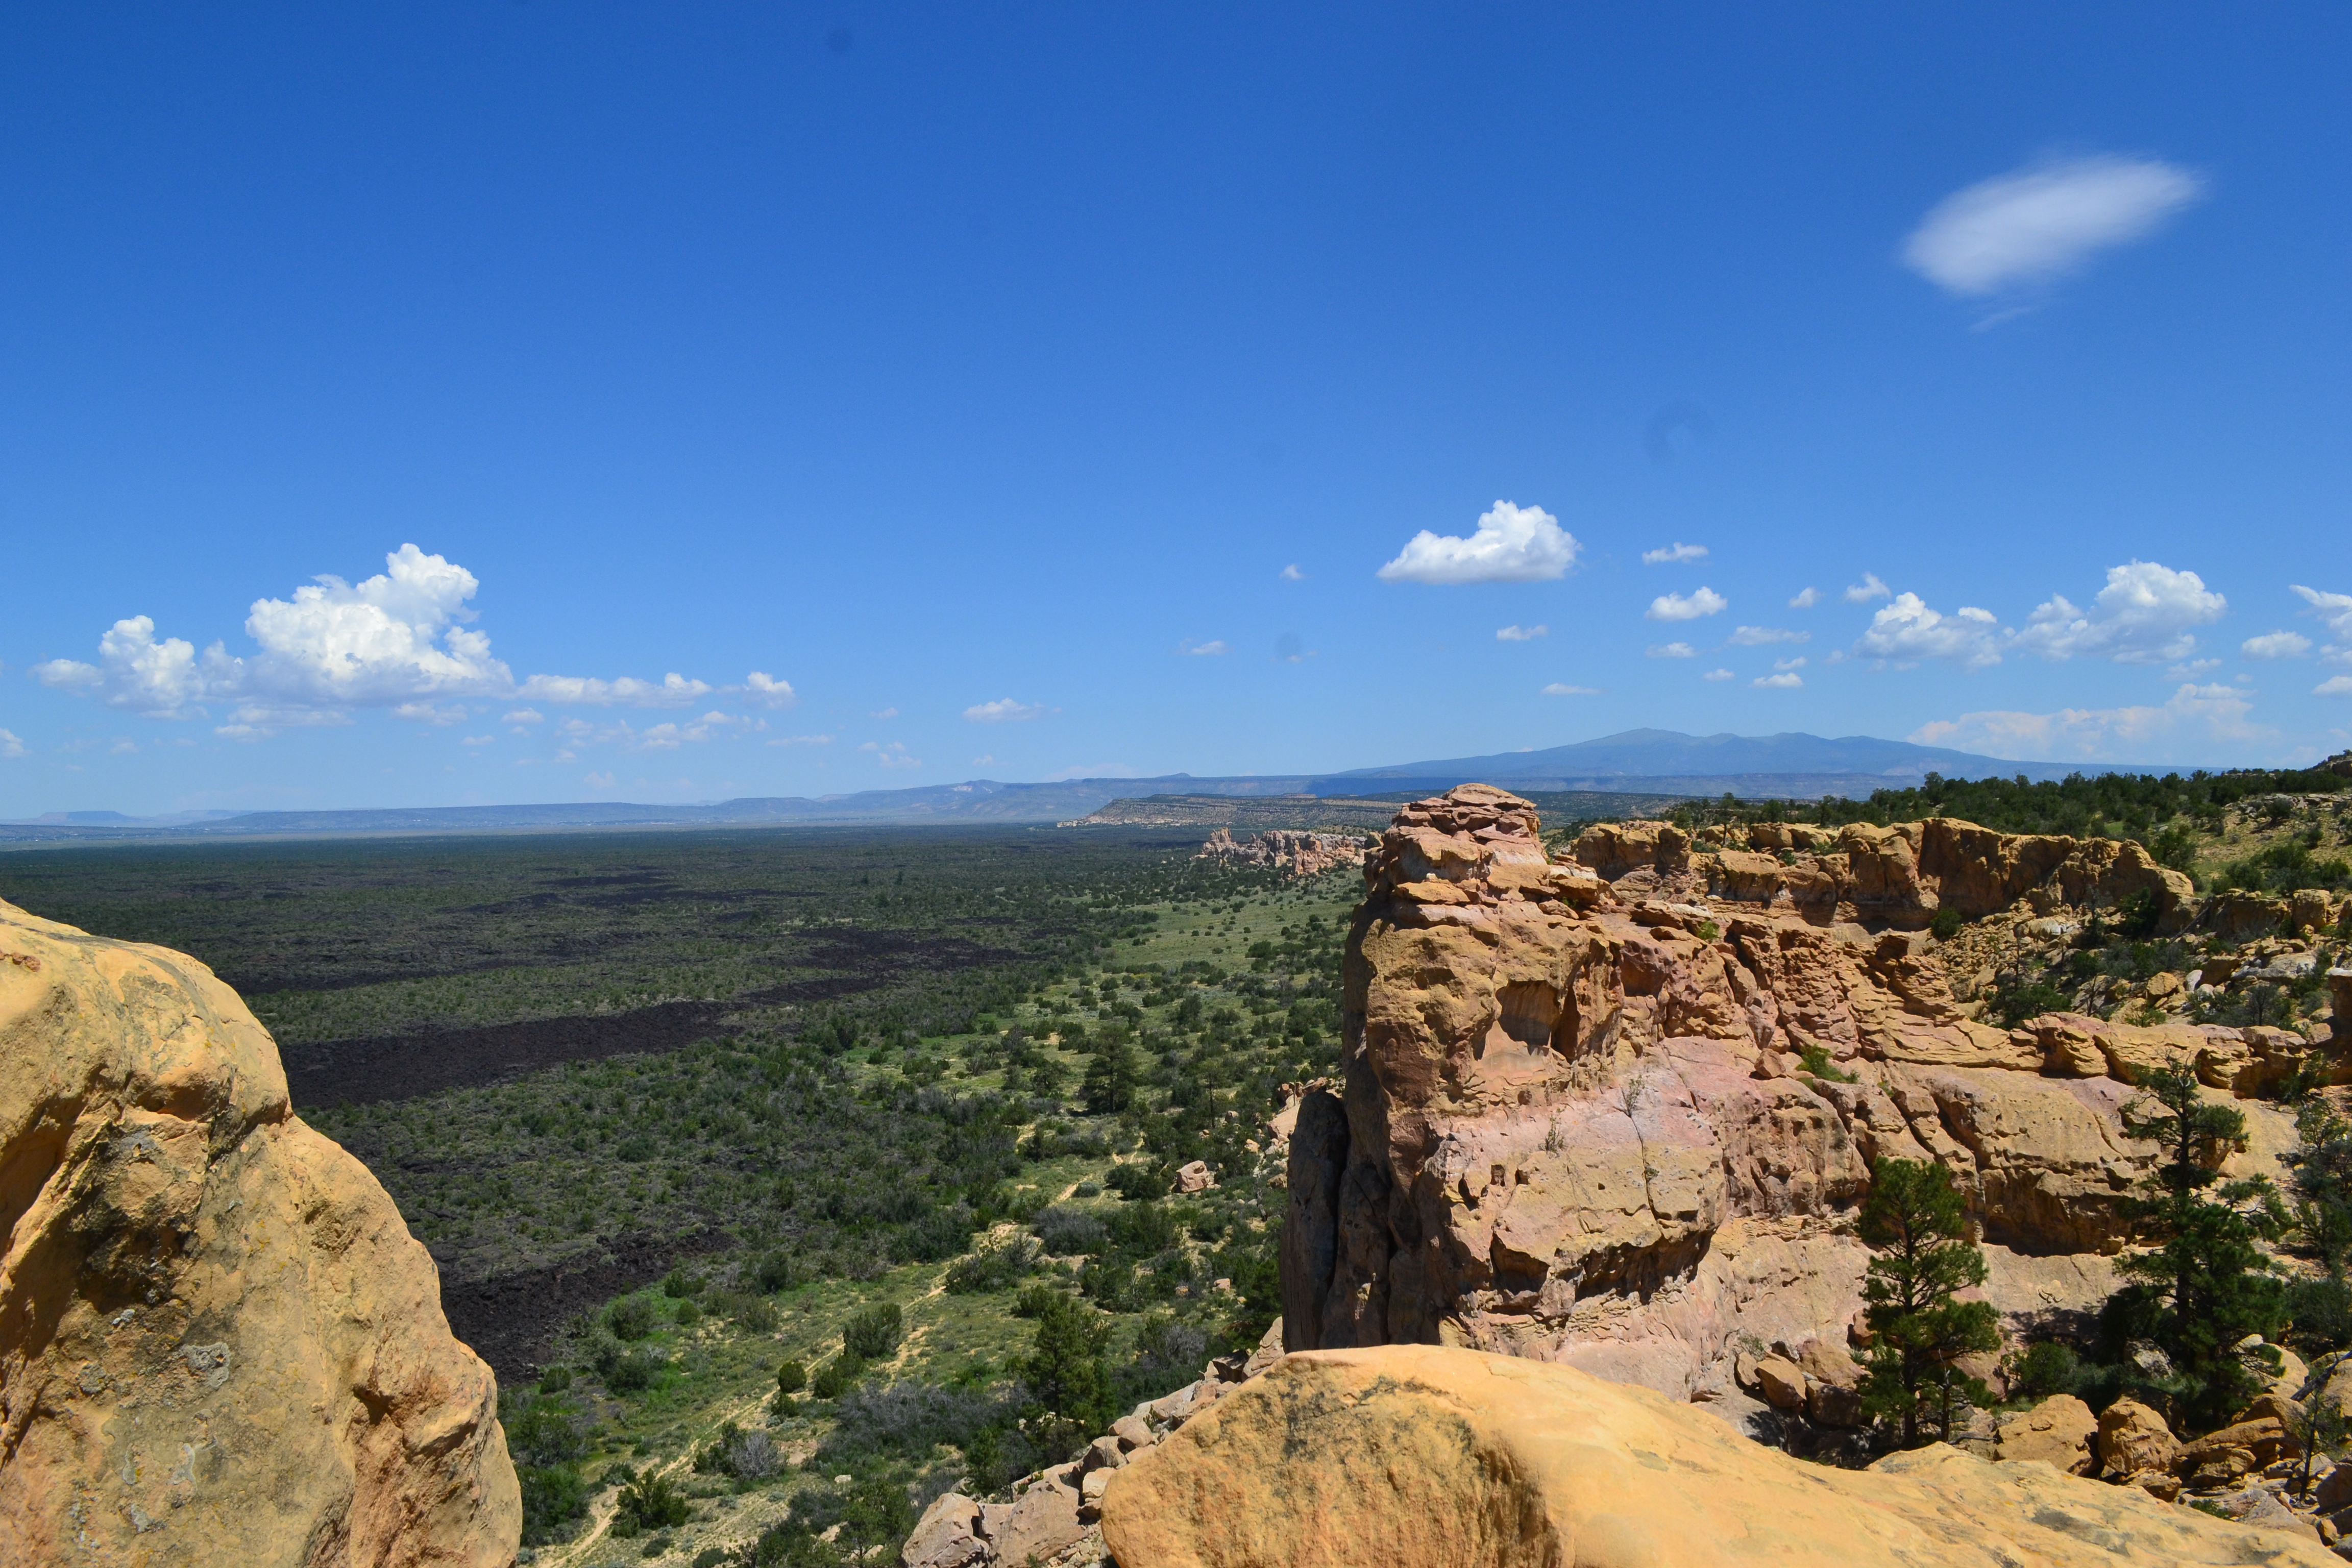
219, 1343
1413, 1456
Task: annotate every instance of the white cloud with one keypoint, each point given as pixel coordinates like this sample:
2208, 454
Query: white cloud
1562, 689
432, 712
2334, 609
2141, 616
1671, 650
1679, 608
1521, 633
1718, 675
1003, 711
760, 690
2190, 669
600, 781
2334, 686
1907, 631
1764, 636
10, 746
524, 716
2195, 716
2275, 645
1674, 554
801, 740
1864, 592
2043, 222
1513, 544
1291, 573
982, 761
1806, 599
1210, 649
893, 756
668, 736
397, 640
259, 721
1782, 681
477, 740
884, 713
123, 749
1796, 663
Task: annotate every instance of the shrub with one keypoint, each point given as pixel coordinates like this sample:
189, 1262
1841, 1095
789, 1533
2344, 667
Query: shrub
1066, 1232
908, 1419
1946, 923
1146, 1228
555, 1379
1067, 1379
1034, 1299
836, 1377
873, 1332
2320, 1315
757, 1316
552, 1497
791, 1378
624, 1369
939, 1234
1816, 1058
648, 1502
542, 1432
677, 1284
1137, 1184
689, 1312
994, 1266
774, 1272
2045, 1369
2013, 1001
630, 1318
1168, 1356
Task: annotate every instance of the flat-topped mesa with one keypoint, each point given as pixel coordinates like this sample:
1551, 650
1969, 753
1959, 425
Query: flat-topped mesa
219, 1341
1577, 1123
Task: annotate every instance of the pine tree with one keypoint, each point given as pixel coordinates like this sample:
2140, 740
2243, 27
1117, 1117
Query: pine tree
1066, 1373
2205, 1283
1920, 1228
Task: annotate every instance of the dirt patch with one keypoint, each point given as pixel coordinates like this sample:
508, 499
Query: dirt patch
402, 1066
510, 1319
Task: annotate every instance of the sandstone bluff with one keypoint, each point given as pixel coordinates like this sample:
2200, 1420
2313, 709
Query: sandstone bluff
1576, 1123
219, 1343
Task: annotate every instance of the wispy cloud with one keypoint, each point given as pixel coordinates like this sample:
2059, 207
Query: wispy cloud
1765, 637
1671, 650
1005, 710
1512, 544
2042, 222
891, 755
1785, 681
801, 740
1202, 649
1718, 675
2197, 716
1291, 573
1562, 689
1521, 633
1674, 554
882, 713
524, 716
10, 746
1864, 592
1687, 608
1806, 599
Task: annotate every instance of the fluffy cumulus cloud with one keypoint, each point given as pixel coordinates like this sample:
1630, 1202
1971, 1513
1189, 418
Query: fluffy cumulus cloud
2334, 612
1512, 544
1908, 632
2276, 645
2141, 616
1003, 711
2334, 686
2040, 223
1718, 675
1704, 601
1671, 651
10, 746
1674, 554
1805, 599
399, 641
1521, 633
2197, 717
1788, 679
1765, 637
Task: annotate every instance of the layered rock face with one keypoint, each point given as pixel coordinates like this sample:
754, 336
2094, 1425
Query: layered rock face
219, 1341
1421, 1456
1300, 853
1576, 1126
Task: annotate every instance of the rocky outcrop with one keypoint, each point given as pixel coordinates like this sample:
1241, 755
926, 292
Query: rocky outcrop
1577, 1123
1300, 853
1423, 1455
219, 1341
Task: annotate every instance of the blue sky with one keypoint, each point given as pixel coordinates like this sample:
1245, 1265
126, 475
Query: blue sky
787, 400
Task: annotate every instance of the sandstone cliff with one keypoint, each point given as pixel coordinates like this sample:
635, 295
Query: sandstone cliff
219, 1343
1576, 1124
1420, 1457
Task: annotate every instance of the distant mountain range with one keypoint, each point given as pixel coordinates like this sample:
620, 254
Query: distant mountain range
1638, 762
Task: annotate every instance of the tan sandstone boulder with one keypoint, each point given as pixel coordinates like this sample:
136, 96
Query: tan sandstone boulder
219, 1341
2061, 1432
2134, 1438
1417, 1455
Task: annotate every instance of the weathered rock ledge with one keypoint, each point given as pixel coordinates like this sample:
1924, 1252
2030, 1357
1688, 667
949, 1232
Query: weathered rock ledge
219, 1341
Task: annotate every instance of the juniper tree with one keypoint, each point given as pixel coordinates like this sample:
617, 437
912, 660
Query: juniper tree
2204, 1282
1918, 1228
